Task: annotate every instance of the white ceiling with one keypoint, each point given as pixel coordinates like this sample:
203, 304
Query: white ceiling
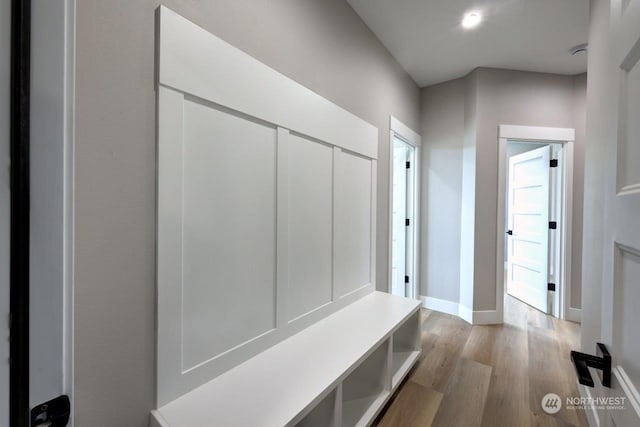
426, 38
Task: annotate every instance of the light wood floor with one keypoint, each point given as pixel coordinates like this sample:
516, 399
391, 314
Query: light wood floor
489, 376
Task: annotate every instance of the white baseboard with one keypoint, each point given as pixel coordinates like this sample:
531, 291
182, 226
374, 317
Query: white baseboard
481, 317
440, 305
592, 414
574, 315
486, 317
465, 314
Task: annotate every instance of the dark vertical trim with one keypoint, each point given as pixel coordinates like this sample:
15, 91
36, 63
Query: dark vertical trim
20, 195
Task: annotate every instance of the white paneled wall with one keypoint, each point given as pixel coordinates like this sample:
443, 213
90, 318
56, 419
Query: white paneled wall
229, 231
266, 207
310, 225
353, 222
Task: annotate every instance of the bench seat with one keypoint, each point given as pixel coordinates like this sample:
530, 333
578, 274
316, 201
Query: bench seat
338, 372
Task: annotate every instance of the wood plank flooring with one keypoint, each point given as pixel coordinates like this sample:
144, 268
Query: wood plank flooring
489, 376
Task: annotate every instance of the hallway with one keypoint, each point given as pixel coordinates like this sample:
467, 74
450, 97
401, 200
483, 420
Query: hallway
489, 375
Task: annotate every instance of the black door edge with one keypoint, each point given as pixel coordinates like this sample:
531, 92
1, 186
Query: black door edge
19, 222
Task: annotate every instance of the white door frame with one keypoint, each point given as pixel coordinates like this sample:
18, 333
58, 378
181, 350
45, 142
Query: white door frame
52, 200
397, 129
566, 137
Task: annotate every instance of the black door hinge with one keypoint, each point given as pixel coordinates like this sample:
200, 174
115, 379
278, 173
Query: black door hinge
551, 287
406, 279
407, 222
408, 165
553, 225
553, 163
54, 413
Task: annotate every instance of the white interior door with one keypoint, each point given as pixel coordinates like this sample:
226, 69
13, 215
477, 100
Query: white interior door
621, 285
401, 151
528, 224
5, 37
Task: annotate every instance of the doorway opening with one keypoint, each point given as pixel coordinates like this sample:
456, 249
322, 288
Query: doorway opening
402, 245
534, 217
403, 227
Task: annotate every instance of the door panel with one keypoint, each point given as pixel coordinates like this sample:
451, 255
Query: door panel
621, 289
528, 246
629, 149
626, 297
399, 204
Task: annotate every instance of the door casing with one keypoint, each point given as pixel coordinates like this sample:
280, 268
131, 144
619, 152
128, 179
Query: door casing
401, 131
46, 368
566, 137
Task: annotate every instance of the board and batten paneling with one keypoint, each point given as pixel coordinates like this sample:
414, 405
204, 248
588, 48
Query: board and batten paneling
310, 225
229, 211
352, 222
266, 207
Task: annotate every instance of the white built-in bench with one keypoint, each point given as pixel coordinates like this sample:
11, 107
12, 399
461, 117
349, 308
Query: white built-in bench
339, 372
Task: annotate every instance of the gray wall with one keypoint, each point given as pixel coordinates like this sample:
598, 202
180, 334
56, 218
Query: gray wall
442, 133
508, 97
580, 124
320, 43
468, 191
492, 97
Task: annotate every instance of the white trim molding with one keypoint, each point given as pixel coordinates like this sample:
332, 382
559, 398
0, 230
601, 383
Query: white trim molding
573, 315
566, 137
443, 306
592, 414
486, 317
405, 132
465, 314
400, 130
479, 317
535, 133
193, 61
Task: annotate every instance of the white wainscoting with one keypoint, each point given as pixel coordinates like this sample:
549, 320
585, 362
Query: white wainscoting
266, 207
310, 224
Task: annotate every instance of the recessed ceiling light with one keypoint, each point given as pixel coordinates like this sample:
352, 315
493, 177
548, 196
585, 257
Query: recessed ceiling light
471, 20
